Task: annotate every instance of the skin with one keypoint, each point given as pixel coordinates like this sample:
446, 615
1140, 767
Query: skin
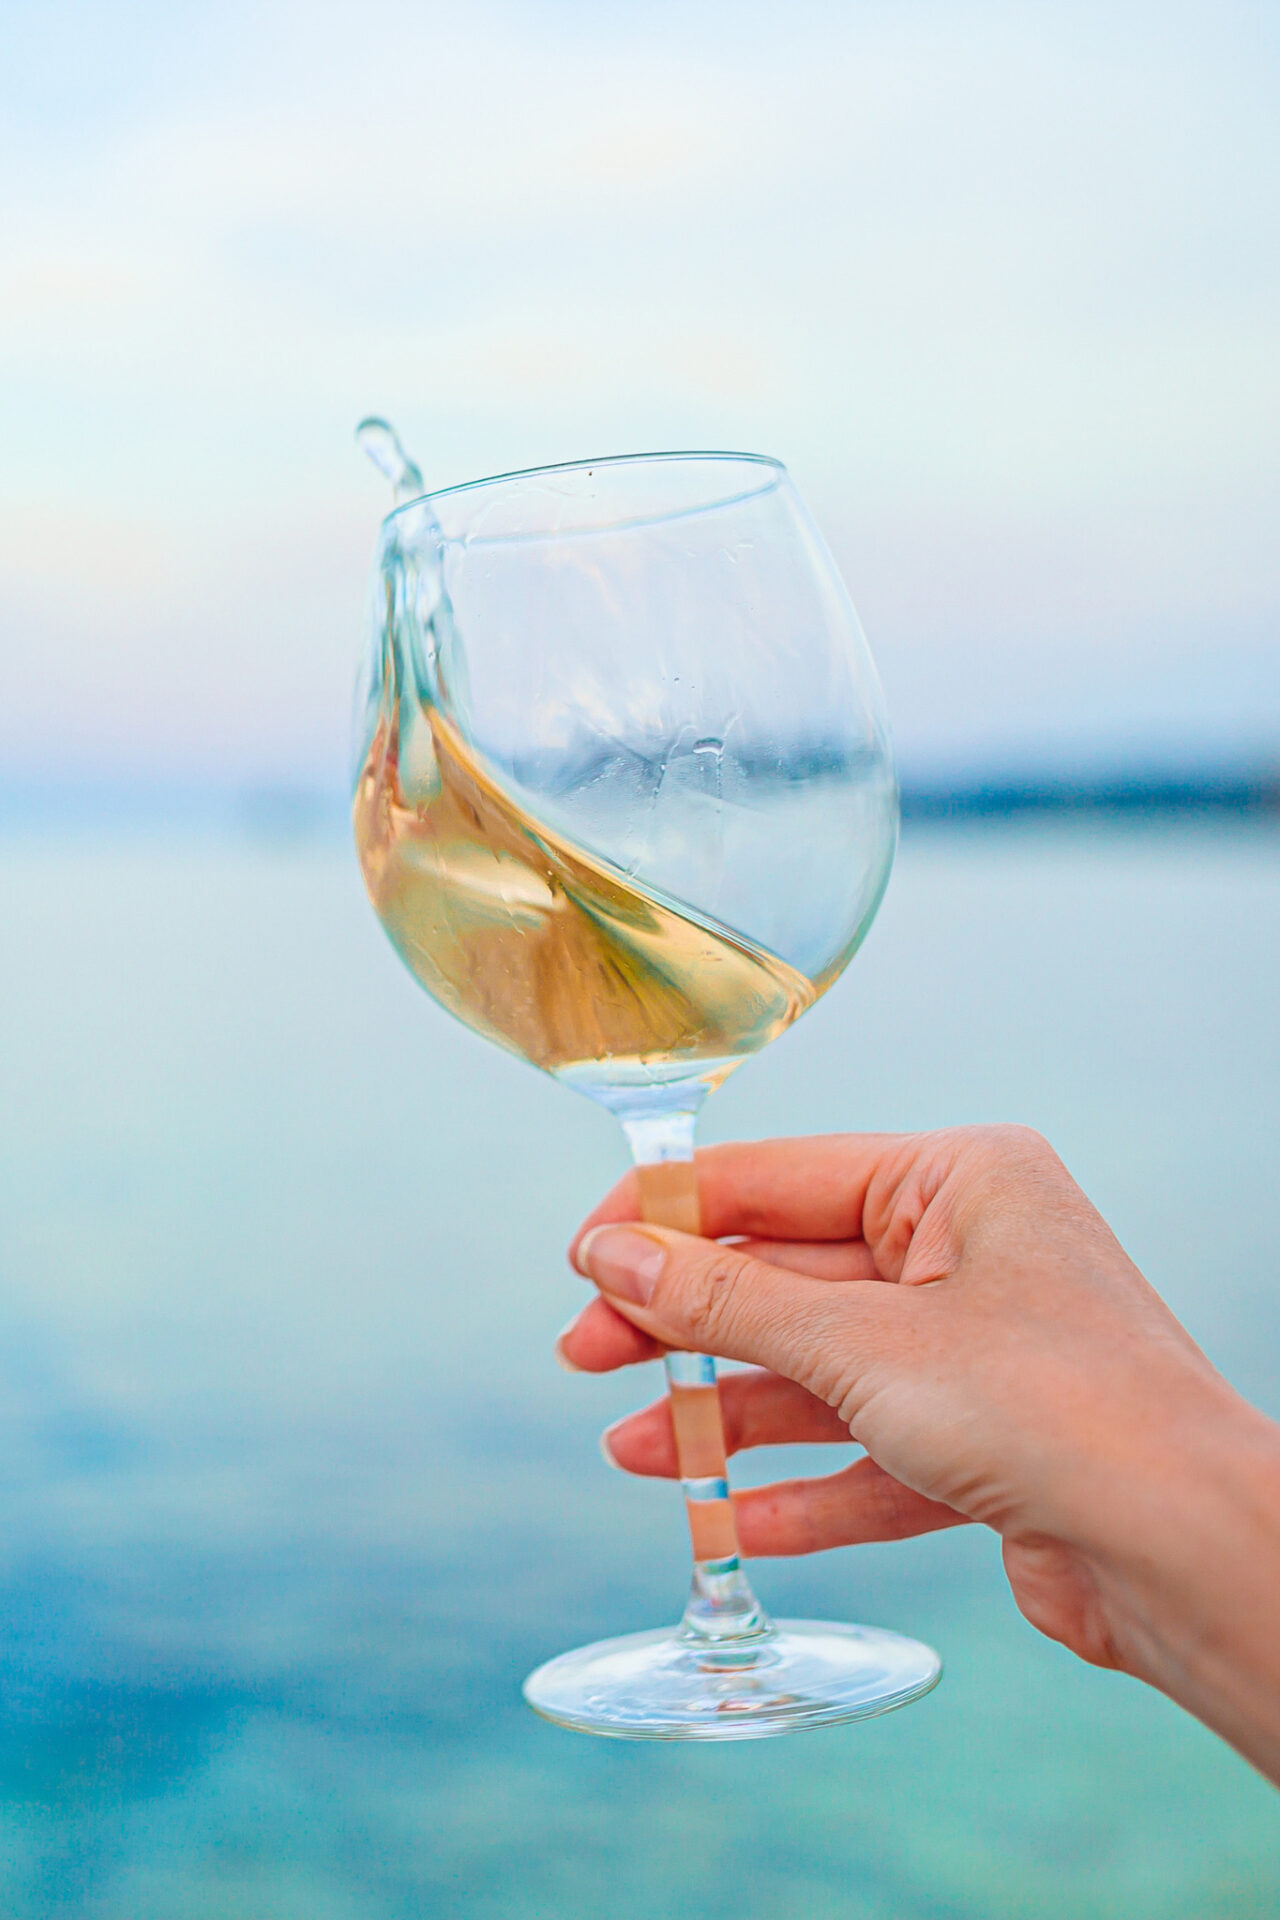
952, 1302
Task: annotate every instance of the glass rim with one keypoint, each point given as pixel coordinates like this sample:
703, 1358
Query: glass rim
708, 454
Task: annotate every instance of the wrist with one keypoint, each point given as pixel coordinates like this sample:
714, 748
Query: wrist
1187, 1558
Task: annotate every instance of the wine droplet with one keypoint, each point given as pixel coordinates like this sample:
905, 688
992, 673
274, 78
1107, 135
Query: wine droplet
382, 444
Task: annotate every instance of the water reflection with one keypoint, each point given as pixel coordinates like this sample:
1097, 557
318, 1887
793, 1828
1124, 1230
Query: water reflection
293, 1494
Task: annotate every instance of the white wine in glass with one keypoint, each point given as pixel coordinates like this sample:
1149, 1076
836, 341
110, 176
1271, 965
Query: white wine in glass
624, 803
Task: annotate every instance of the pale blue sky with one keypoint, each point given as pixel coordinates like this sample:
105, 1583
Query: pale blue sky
1000, 283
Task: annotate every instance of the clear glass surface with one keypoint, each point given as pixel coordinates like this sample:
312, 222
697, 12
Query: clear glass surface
625, 804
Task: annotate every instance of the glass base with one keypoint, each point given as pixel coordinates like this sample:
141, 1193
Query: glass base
668, 1686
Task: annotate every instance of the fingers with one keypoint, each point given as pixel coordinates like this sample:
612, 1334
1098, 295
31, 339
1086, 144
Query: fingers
686, 1292
758, 1409
810, 1189
862, 1503
599, 1340
820, 1259
877, 1188
858, 1505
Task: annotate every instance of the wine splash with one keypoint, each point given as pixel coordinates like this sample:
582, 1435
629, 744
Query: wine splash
381, 442
537, 944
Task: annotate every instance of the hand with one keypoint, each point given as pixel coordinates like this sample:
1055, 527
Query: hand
954, 1303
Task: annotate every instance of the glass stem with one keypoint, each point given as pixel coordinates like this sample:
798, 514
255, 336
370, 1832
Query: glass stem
722, 1612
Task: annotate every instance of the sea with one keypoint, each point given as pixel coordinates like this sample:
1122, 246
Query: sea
292, 1494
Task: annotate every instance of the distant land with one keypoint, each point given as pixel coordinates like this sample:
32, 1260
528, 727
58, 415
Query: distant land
1203, 792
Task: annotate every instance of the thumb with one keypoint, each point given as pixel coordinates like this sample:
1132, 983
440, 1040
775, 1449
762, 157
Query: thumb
697, 1294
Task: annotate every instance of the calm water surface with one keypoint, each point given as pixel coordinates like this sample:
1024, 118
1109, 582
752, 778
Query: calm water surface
293, 1495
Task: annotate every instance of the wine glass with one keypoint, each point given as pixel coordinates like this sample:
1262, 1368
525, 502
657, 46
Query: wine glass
625, 804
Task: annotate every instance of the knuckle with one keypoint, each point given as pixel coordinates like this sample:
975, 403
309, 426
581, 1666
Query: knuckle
1010, 1136
1014, 1148
714, 1290
1028, 1141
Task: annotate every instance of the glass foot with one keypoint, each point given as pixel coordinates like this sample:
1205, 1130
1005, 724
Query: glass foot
669, 1686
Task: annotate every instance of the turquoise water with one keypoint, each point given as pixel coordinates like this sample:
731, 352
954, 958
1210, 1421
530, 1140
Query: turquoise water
292, 1494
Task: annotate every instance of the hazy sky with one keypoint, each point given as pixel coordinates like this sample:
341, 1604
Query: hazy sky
1000, 283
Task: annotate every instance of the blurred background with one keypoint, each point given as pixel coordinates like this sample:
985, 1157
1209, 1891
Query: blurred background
292, 1494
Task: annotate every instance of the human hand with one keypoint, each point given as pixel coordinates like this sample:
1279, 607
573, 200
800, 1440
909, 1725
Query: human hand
954, 1303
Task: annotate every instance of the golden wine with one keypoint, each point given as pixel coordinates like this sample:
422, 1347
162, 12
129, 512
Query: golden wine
541, 946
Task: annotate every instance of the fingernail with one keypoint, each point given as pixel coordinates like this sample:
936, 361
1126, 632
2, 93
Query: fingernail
611, 1458
624, 1262
561, 1357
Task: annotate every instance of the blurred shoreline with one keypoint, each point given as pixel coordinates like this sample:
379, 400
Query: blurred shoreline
1230, 793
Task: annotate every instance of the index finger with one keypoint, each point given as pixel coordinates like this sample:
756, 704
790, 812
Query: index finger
805, 1189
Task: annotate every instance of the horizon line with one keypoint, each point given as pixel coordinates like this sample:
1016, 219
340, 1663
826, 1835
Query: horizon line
295, 808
